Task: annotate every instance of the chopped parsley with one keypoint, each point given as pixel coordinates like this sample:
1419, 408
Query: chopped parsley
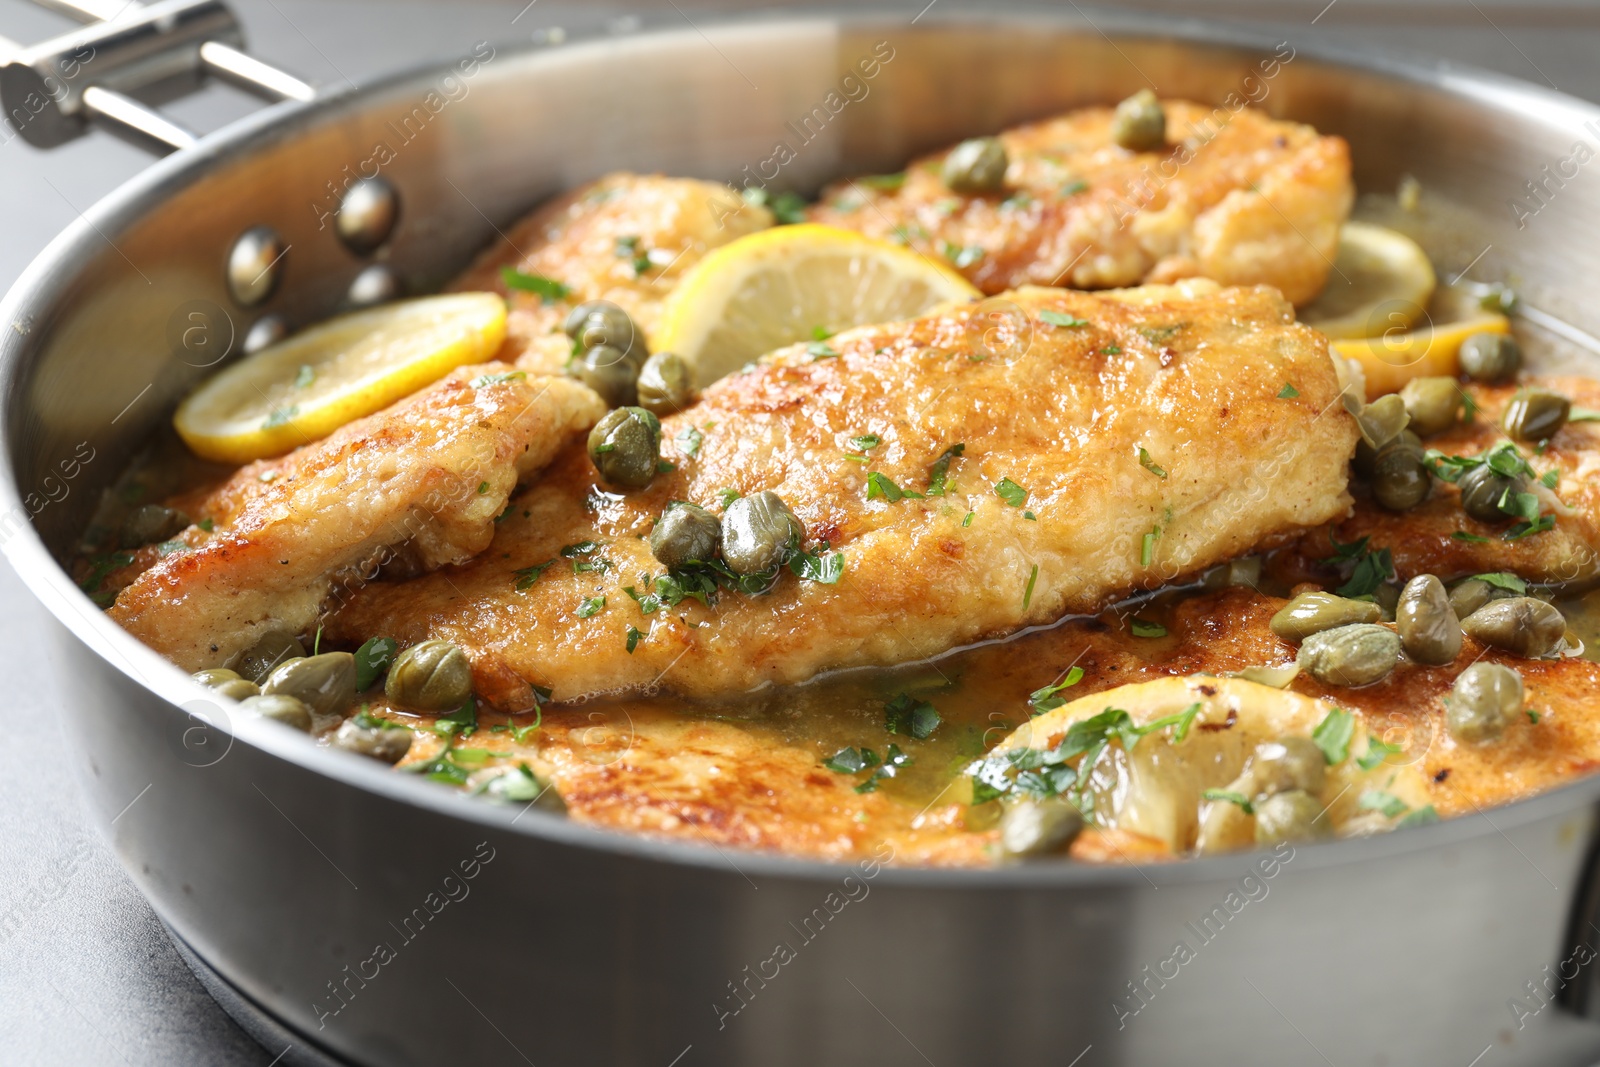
373, 659
1288, 392
958, 256
689, 440
1111, 350
1378, 800
305, 376
1141, 628
633, 638
1551, 477
280, 417
1046, 698
1012, 493
1584, 415
1239, 799
1062, 319
483, 488
591, 607
727, 496
526, 576
967, 520
1074, 187
1462, 535
1420, 817
851, 760
1147, 546
821, 350
1504, 580
866, 442
883, 182
463, 721
1332, 735
818, 565
1378, 750
787, 208
627, 246
938, 474
1149, 464
1027, 594
879, 486
207, 524
584, 559
547, 289
912, 718
495, 379
1372, 567
1533, 716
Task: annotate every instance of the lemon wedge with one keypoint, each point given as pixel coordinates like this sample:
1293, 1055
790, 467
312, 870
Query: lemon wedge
794, 283
1381, 282
304, 388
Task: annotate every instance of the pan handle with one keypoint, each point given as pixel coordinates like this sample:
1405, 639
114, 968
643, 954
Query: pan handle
130, 55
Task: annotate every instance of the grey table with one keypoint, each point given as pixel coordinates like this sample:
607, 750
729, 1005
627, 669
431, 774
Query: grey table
87, 975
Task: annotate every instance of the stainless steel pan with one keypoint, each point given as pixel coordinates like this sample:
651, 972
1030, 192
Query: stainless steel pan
381, 919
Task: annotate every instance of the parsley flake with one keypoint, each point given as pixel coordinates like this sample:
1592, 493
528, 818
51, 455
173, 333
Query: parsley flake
1027, 594
689, 440
1239, 799
591, 607
1045, 699
1141, 628
495, 379
373, 659
1012, 493
633, 638
547, 289
1062, 319
1288, 392
1332, 735
912, 718
1149, 464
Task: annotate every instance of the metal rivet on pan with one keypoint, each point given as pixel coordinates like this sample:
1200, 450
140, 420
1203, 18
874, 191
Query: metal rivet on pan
367, 214
267, 330
376, 284
254, 264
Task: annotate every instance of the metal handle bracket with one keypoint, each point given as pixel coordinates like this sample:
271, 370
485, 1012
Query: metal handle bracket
52, 91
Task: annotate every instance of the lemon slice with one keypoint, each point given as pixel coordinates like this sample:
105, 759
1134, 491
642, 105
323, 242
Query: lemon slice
1392, 360
316, 381
1381, 281
794, 283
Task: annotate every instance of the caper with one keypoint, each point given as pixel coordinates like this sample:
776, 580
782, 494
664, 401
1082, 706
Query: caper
237, 689
1491, 357
1429, 630
1482, 491
149, 523
519, 785
1483, 700
1474, 593
609, 326
327, 683
685, 533
1359, 654
1287, 764
759, 532
1292, 816
976, 166
579, 315
387, 743
1382, 420
608, 372
429, 676
1535, 415
664, 384
1366, 460
1432, 403
626, 447
1139, 124
1400, 478
1520, 625
1032, 827
273, 650
280, 707
215, 676
1313, 612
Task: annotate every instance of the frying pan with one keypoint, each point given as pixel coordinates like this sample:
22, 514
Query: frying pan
375, 918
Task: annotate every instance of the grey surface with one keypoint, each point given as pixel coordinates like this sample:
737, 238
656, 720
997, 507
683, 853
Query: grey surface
86, 973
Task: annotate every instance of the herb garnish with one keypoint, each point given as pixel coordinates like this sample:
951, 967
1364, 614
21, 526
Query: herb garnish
591, 607
1012, 493
1149, 464
821, 350
1045, 699
726, 497
1147, 546
1332, 735
526, 576
883, 182
1062, 319
463, 721
495, 379
938, 474
1027, 594
1288, 392
548, 289
1141, 628
1239, 799
879, 486
1372, 567
305, 376
1462, 535
1504, 580
866, 442
818, 565
689, 440
1378, 750
373, 659
960, 257
280, 417
1420, 817
633, 638
1378, 800
913, 718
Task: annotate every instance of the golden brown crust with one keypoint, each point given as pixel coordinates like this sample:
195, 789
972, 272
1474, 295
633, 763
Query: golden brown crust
1194, 380
592, 240
1243, 199
425, 477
